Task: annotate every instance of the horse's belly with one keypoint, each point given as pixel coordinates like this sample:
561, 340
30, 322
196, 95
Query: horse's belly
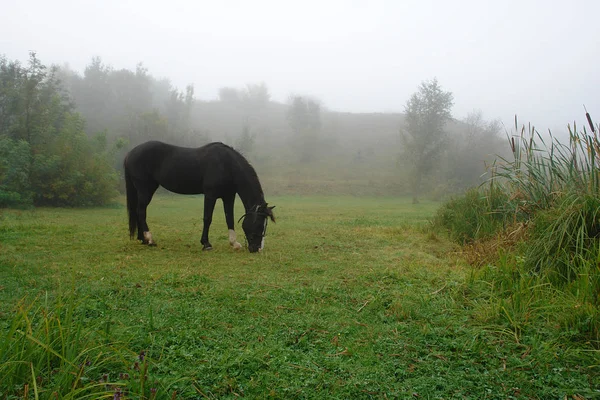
182, 184
182, 188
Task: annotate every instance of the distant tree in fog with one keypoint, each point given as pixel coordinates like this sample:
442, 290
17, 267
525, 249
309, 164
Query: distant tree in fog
476, 143
178, 111
131, 104
256, 96
423, 137
229, 95
245, 143
304, 117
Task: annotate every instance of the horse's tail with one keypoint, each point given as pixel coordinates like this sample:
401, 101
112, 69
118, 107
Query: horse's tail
132, 200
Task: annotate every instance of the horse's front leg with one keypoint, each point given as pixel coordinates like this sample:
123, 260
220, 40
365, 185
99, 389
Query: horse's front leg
144, 198
228, 203
209, 206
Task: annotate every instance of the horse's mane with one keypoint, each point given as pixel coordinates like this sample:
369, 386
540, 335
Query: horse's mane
244, 167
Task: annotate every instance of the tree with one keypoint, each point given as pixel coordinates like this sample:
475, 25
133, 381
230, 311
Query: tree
45, 156
256, 97
476, 143
245, 142
304, 117
423, 137
229, 95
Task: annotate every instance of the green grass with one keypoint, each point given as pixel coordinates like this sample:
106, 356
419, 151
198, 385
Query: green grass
352, 298
540, 211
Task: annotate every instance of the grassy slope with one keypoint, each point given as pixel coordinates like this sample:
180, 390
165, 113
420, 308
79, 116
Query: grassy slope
351, 299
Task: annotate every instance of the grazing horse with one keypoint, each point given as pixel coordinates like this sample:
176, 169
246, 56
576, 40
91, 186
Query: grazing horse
215, 170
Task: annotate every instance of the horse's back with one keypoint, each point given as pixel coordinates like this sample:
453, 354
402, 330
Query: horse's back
179, 169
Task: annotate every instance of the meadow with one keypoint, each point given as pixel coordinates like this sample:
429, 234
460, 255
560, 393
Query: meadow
353, 297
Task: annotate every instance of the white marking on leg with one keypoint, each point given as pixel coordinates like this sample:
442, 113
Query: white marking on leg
148, 237
233, 240
262, 242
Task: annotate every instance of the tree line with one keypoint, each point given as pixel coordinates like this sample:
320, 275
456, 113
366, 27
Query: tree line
63, 134
46, 157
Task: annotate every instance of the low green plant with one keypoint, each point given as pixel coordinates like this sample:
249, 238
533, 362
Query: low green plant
49, 351
478, 214
15, 165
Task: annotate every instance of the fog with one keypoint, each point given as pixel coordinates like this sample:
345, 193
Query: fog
315, 93
536, 59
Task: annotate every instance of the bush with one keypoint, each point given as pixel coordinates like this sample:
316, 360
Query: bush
45, 156
477, 214
71, 172
15, 166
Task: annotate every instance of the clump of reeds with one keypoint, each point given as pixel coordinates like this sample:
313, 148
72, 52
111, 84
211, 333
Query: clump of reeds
553, 189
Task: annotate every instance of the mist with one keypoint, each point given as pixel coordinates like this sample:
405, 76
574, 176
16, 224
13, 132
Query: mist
193, 72
528, 58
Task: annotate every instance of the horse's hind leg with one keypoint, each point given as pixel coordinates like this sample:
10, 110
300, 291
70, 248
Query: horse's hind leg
144, 198
228, 203
209, 206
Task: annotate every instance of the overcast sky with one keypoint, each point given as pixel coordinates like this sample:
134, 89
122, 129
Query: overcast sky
537, 59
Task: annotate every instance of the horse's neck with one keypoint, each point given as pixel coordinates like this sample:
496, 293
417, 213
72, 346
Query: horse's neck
250, 194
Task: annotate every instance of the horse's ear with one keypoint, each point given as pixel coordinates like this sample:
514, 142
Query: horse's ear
270, 213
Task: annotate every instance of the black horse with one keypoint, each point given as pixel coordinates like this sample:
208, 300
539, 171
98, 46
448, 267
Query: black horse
216, 170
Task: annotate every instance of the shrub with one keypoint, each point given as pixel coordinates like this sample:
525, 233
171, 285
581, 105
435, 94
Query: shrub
71, 172
45, 156
477, 214
15, 166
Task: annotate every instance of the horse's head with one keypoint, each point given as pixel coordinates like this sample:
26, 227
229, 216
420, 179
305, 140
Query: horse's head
255, 226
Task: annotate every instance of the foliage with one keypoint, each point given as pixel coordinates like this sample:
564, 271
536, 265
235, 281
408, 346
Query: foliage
423, 137
245, 142
473, 146
473, 216
71, 172
555, 190
131, 104
304, 117
47, 159
15, 166
256, 96
252, 98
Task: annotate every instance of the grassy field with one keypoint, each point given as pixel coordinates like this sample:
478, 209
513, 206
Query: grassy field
352, 298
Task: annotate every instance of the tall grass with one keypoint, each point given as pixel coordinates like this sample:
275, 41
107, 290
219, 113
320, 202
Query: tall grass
49, 351
558, 187
475, 215
541, 173
553, 189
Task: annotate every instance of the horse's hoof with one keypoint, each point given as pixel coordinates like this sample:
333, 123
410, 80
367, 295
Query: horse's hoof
237, 246
153, 244
207, 248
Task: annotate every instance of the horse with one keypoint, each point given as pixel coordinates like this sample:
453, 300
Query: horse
216, 170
